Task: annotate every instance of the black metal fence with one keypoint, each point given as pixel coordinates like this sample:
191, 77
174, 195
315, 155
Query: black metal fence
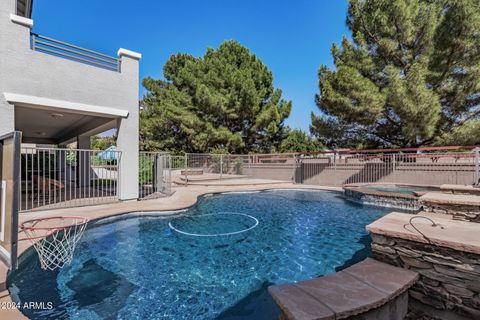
53, 178
75, 53
155, 175
427, 166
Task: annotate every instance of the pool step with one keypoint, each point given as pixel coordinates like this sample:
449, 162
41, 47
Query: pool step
370, 288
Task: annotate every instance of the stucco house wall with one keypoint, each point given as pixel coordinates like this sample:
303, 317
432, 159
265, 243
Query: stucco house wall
28, 72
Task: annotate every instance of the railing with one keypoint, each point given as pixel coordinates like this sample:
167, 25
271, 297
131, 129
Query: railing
429, 166
155, 176
58, 178
75, 53
431, 169
178, 162
215, 166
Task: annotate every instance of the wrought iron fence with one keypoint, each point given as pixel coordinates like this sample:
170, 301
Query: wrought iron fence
75, 53
155, 177
204, 166
57, 178
61, 177
178, 162
429, 166
432, 168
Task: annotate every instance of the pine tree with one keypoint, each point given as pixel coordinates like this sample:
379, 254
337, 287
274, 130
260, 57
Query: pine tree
409, 77
223, 100
296, 140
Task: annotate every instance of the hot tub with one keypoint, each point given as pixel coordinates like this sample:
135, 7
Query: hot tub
401, 196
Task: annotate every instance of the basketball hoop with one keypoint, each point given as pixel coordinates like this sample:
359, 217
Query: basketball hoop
54, 238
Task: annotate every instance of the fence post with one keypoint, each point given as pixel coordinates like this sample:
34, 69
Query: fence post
169, 174
302, 172
477, 167
186, 169
295, 169
335, 168
394, 164
221, 166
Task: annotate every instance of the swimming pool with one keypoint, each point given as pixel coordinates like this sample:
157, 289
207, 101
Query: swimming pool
213, 261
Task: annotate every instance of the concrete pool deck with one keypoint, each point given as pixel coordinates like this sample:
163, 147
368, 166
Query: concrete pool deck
183, 197
457, 235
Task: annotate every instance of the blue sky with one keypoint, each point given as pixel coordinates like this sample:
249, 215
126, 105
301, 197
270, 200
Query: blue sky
293, 38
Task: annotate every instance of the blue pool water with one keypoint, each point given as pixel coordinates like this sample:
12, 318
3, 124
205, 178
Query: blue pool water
174, 267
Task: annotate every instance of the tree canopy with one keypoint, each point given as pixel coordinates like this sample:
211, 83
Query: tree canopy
296, 140
101, 143
409, 77
223, 100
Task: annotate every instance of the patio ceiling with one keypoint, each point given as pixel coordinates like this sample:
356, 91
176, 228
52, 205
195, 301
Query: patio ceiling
47, 126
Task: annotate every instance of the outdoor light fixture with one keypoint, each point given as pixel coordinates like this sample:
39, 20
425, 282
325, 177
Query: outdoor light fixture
41, 133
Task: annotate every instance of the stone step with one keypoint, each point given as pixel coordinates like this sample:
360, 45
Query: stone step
367, 288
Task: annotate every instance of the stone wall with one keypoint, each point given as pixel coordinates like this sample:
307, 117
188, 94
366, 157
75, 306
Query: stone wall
449, 284
273, 171
384, 200
458, 211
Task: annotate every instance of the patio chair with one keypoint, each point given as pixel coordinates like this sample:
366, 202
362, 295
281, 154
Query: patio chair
45, 186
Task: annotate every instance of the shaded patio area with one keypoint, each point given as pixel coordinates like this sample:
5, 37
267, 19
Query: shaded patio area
63, 177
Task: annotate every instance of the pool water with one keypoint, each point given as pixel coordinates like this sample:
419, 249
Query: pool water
403, 189
213, 261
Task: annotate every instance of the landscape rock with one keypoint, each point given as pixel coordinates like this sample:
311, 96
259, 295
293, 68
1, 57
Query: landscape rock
416, 263
458, 291
385, 249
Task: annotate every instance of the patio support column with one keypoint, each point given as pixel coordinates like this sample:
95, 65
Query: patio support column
83, 166
7, 120
127, 129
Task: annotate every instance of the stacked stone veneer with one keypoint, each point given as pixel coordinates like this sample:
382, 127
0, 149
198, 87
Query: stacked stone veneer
383, 199
449, 284
458, 211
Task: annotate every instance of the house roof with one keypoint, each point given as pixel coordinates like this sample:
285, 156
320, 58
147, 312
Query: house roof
24, 8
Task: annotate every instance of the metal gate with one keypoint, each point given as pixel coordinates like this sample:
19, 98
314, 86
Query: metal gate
155, 176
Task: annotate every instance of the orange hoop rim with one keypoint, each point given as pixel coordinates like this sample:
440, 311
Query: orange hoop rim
83, 221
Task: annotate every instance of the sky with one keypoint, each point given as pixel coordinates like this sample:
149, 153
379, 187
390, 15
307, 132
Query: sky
292, 37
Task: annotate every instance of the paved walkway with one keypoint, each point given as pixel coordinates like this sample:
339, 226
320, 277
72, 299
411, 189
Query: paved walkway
183, 197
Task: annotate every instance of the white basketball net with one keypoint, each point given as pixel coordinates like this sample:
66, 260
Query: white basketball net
55, 239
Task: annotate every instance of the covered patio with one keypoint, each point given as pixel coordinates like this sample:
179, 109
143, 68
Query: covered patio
58, 166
